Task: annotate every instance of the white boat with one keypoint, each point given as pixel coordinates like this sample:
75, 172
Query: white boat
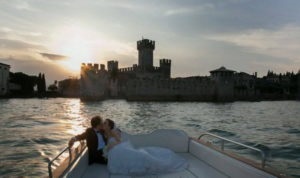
205, 160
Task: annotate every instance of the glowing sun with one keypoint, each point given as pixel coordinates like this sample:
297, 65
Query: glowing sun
73, 42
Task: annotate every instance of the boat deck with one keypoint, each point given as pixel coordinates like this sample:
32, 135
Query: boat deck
196, 169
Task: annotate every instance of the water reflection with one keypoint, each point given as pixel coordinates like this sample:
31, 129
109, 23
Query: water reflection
73, 111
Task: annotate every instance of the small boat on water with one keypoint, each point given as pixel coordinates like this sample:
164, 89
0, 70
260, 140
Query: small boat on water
205, 159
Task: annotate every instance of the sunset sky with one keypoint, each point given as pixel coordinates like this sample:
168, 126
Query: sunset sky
55, 36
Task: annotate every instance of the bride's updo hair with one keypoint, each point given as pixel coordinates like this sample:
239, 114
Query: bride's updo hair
111, 123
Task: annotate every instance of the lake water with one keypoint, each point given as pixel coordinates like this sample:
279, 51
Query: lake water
32, 131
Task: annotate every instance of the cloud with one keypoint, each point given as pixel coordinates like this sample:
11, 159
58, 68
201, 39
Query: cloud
282, 43
21, 35
178, 11
20, 5
188, 10
32, 65
5, 29
54, 57
23, 5
121, 48
125, 5
11, 44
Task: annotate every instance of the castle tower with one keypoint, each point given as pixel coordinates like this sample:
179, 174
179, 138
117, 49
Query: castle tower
165, 67
145, 48
92, 87
112, 66
224, 79
83, 68
96, 67
102, 67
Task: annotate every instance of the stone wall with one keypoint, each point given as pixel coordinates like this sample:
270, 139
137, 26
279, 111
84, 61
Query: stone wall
185, 89
93, 83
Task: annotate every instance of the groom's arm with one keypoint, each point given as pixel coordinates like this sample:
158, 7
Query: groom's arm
81, 136
77, 138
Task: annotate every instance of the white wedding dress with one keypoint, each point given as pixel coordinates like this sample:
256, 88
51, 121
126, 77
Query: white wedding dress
126, 160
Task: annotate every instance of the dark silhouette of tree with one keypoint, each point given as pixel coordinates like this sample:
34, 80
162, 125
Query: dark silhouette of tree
43, 87
25, 82
41, 84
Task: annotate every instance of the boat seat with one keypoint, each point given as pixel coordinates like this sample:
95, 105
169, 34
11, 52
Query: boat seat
96, 170
196, 169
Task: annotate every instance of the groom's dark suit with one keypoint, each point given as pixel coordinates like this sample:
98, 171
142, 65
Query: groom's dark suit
95, 155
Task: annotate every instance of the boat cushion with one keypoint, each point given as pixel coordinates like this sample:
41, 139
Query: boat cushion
175, 140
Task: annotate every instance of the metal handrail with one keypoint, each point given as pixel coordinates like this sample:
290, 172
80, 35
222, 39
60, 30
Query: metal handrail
262, 153
71, 160
56, 157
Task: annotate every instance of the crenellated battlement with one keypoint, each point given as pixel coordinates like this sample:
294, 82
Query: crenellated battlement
127, 69
89, 66
136, 68
112, 62
112, 65
165, 65
145, 48
102, 67
145, 43
165, 61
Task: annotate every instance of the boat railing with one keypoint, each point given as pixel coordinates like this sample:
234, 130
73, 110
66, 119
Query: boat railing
223, 140
68, 161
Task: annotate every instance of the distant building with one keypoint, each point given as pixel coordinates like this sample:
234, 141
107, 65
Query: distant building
244, 86
4, 79
298, 85
143, 81
100, 83
69, 87
224, 81
94, 82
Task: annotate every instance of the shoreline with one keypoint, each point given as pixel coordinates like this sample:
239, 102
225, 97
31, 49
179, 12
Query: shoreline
154, 99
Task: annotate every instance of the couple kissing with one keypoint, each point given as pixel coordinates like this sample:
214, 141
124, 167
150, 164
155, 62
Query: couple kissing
100, 138
105, 146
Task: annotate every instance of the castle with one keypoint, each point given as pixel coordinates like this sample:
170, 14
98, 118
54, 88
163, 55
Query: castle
143, 81
4, 79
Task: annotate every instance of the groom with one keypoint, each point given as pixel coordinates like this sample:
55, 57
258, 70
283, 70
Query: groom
95, 140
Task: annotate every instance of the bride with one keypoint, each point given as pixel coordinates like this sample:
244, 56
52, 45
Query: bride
124, 158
